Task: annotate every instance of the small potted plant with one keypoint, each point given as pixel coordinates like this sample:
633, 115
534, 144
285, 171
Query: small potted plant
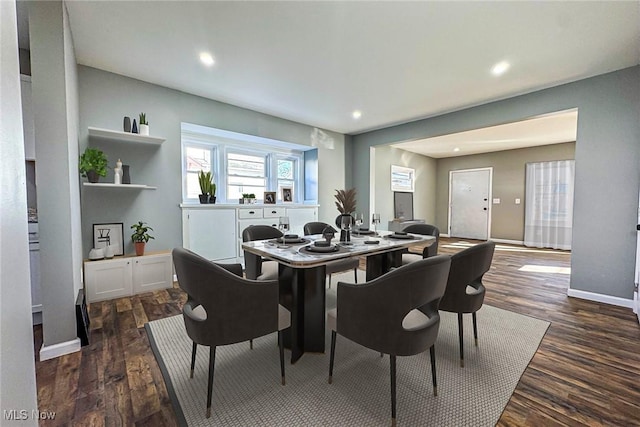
248, 199
206, 186
144, 124
140, 236
93, 164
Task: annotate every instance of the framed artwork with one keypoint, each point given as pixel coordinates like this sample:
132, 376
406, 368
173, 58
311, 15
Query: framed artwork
109, 235
287, 194
269, 197
402, 179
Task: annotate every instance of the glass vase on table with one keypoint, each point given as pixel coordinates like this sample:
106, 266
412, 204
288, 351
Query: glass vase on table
359, 221
283, 226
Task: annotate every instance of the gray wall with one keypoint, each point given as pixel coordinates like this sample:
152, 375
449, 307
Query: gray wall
105, 98
507, 218
607, 158
424, 197
54, 91
17, 367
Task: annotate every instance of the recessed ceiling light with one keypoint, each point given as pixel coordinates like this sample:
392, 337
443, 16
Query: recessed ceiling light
206, 59
500, 68
356, 114
456, 149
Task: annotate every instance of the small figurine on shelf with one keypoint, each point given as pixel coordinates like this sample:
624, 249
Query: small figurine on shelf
134, 128
117, 173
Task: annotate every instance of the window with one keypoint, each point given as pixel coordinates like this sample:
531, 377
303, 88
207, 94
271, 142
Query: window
240, 164
245, 174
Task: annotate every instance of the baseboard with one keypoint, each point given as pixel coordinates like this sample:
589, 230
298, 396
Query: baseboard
507, 241
607, 299
56, 350
444, 234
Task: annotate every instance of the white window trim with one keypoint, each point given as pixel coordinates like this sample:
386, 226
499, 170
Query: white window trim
221, 141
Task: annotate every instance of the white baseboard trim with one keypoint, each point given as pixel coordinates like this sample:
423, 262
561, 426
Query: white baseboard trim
175, 277
444, 234
607, 299
60, 349
507, 241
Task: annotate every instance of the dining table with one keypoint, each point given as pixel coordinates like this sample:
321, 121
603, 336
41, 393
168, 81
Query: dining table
302, 275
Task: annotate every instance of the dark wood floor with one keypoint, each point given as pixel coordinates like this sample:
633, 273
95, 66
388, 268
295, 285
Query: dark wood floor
586, 371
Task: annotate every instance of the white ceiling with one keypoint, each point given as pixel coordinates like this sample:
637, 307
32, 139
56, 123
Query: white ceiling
543, 130
316, 62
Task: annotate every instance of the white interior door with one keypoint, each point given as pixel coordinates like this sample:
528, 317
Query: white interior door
469, 203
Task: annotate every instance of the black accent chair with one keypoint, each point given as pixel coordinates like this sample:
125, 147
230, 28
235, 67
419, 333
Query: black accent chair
224, 308
395, 314
428, 251
333, 266
255, 267
465, 291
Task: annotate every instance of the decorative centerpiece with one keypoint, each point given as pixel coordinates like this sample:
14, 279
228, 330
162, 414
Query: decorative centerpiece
207, 187
140, 236
93, 164
346, 204
247, 199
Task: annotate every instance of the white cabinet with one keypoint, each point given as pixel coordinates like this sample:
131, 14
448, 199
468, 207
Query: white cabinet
27, 118
108, 279
211, 233
298, 217
152, 272
121, 277
215, 232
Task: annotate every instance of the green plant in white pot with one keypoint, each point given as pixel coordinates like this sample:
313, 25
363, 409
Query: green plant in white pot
144, 124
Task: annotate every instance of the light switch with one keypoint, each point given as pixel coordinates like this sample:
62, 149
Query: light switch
496, 201
517, 201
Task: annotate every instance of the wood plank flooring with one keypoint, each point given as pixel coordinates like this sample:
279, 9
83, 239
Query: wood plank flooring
585, 372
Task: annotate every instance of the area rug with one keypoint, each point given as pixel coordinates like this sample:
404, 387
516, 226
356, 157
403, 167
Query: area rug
247, 390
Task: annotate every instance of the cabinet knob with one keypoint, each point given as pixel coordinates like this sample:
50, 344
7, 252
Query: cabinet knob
274, 211
127, 262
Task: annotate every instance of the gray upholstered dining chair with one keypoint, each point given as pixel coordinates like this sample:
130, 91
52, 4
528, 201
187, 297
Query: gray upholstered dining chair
255, 267
224, 308
333, 266
428, 251
465, 291
394, 314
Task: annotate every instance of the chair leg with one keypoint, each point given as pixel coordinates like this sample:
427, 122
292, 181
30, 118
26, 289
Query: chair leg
193, 358
355, 274
392, 359
432, 354
461, 339
281, 345
333, 353
212, 361
250, 344
475, 328
329, 281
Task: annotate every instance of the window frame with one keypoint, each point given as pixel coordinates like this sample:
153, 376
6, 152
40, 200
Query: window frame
222, 142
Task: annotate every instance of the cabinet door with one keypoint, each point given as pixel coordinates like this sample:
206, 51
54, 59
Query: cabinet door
151, 272
107, 279
210, 233
242, 224
298, 217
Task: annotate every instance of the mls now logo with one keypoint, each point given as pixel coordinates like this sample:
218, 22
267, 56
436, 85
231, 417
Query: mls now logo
15, 414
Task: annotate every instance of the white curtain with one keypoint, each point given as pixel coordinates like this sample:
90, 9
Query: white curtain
549, 204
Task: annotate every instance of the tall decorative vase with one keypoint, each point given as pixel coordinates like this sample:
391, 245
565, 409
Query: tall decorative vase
127, 124
345, 235
134, 128
126, 178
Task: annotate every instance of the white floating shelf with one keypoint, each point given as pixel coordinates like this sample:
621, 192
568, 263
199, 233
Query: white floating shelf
124, 136
119, 186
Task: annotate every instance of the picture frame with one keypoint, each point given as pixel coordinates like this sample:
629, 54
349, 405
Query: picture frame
287, 194
402, 179
269, 197
109, 234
